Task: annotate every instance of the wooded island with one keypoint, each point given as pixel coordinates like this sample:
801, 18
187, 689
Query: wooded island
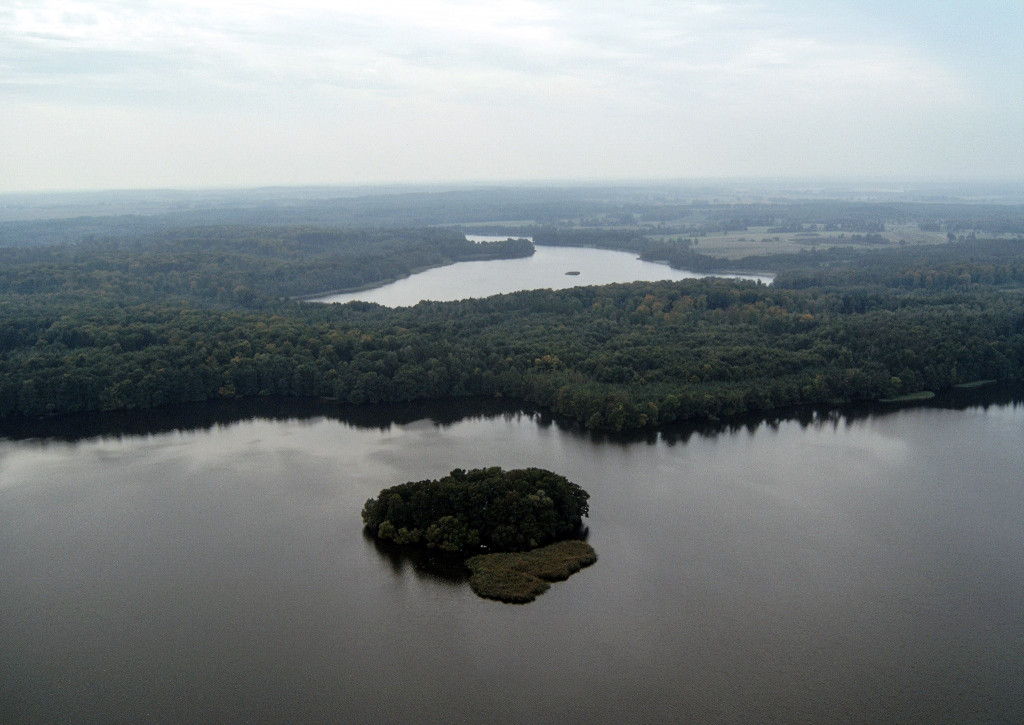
488, 510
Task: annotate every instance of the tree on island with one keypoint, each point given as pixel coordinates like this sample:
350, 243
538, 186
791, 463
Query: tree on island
483, 509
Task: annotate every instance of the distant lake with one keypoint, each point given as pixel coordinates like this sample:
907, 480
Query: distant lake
545, 269
829, 569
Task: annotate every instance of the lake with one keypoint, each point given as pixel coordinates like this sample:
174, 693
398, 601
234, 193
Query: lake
545, 269
832, 568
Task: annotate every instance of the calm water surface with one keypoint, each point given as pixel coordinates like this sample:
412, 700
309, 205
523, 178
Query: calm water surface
545, 269
864, 570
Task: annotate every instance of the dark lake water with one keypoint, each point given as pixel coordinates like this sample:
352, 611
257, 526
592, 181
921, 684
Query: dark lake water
846, 569
545, 269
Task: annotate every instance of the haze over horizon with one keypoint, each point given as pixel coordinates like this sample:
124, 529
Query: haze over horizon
116, 94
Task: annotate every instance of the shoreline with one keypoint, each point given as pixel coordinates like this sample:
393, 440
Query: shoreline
314, 296
204, 413
721, 274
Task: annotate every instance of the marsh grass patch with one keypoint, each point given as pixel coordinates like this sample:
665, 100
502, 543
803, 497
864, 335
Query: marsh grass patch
520, 577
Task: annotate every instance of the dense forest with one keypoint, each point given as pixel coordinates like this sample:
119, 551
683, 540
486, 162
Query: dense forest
485, 508
239, 264
202, 313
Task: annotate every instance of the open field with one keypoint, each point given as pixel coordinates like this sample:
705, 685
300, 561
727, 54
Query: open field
759, 240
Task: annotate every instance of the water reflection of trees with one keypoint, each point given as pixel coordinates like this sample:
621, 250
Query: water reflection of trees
205, 416
424, 563
429, 564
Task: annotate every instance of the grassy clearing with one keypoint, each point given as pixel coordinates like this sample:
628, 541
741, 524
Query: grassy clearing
521, 577
911, 397
735, 245
974, 384
760, 240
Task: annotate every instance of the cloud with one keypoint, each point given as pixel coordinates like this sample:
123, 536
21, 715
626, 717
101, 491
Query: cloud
533, 88
428, 46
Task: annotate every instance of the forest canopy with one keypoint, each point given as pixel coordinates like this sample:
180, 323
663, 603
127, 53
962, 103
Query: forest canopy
147, 319
482, 509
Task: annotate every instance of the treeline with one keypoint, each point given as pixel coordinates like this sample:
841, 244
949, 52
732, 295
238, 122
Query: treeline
484, 508
552, 236
938, 267
857, 220
682, 210
247, 266
677, 254
614, 357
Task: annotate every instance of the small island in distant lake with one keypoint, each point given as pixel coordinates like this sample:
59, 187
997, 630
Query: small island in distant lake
513, 525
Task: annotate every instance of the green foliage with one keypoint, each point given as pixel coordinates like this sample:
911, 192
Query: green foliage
488, 507
521, 577
151, 322
241, 266
630, 211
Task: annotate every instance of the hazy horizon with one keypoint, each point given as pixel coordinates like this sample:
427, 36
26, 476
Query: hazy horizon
893, 184
114, 95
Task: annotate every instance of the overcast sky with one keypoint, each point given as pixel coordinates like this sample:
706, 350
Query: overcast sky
205, 93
